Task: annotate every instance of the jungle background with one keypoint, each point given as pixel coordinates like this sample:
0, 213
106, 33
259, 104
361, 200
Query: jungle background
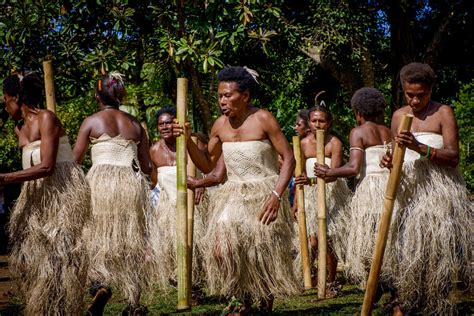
299, 48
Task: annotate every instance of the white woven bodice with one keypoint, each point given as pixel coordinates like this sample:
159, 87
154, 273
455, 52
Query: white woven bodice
31, 155
431, 139
116, 151
372, 156
167, 181
250, 160
310, 165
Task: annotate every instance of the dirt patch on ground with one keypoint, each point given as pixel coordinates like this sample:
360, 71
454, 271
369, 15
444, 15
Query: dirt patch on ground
7, 286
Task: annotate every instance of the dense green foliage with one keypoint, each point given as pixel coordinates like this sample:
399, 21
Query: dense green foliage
299, 48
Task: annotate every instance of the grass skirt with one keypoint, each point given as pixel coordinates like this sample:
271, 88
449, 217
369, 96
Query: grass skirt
363, 218
47, 254
163, 267
245, 258
116, 236
436, 228
337, 196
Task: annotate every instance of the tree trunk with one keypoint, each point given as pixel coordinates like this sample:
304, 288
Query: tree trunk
400, 15
204, 110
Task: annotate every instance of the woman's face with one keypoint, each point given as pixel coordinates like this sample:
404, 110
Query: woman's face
11, 105
417, 95
300, 127
165, 126
318, 120
231, 100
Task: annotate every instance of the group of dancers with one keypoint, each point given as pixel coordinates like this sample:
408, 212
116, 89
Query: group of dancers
71, 232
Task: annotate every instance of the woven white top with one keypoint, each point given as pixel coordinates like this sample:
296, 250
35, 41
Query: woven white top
431, 139
116, 151
31, 155
250, 160
167, 181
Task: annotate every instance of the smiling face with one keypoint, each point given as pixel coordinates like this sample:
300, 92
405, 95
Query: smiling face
318, 120
417, 95
231, 99
165, 126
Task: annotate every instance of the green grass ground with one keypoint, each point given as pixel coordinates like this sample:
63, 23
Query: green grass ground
349, 303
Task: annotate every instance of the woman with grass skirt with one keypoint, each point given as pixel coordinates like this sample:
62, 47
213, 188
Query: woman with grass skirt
116, 236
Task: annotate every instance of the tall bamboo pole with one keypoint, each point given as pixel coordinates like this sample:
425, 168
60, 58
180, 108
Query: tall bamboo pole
49, 85
303, 234
191, 170
384, 226
322, 223
182, 253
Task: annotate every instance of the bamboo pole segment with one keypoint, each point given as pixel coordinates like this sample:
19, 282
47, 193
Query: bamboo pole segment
191, 171
303, 234
49, 85
384, 226
182, 253
322, 222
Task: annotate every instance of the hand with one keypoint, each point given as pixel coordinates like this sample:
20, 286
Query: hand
407, 139
179, 130
199, 195
269, 212
303, 179
191, 183
321, 170
294, 210
386, 161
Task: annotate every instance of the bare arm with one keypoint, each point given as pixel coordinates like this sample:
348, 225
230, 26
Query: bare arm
144, 154
217, 176
82, 141
354, 165
49, 132
204, 160
272, 129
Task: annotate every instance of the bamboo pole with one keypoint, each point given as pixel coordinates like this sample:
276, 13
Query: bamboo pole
49, 85
182, 253
322, 223
303, 234
384, 226
191, 170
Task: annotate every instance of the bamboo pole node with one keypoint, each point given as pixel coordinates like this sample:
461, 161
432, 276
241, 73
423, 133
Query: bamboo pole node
303, 234
384, 227
322, 219
49, 85
183, 251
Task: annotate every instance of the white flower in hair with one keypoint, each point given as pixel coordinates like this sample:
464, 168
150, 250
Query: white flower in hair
253, 73
115, 75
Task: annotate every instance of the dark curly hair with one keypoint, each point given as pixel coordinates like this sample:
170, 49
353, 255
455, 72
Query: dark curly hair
28, 88
240, 76
111, 89
418, 73
168, 110
369, 102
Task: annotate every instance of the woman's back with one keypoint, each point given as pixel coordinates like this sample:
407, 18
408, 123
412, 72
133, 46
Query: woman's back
113, 122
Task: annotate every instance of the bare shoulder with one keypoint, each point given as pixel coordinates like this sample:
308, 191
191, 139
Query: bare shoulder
444, 109
400, 112
335, 141
46, 115
264, 115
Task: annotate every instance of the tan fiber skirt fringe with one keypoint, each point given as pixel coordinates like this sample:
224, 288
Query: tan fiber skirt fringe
47, 256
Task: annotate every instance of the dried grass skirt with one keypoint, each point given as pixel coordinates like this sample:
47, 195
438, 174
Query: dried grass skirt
163, 267
436, 238
364, 213
116, 237
245, 258
47, 255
